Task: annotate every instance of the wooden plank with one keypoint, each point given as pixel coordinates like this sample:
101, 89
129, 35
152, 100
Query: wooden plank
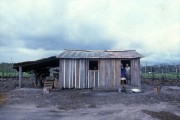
74, 74
118, 72
132, 72
107, 76
69, 72
96, 78
102, 73
77, 73
108, 73
61, 75
83, 73
135, 73
66, 74
71, 77
111, 73
114, 73
88, 80
64, 68
139, 74
91, 78
86, 72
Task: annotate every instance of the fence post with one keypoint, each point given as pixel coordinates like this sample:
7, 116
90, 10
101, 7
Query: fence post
20, 76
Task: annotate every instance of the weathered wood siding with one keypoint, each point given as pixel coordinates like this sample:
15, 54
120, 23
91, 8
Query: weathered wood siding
75, 73
135, 73
93, 78
61, 75
109, 72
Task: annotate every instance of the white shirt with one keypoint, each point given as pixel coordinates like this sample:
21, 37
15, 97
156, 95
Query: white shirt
127, 70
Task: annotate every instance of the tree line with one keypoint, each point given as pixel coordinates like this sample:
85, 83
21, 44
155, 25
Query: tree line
7, 70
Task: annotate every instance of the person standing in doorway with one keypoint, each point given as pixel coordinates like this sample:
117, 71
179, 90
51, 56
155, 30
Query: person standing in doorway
128, 73
122, 71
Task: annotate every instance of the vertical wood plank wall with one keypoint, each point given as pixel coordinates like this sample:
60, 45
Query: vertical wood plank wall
135, 73
72, 73
75, 73
109, 72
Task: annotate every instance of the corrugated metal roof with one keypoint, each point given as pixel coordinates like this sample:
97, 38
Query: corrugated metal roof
99, 54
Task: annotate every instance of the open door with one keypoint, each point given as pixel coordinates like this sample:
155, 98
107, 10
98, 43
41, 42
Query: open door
127, 63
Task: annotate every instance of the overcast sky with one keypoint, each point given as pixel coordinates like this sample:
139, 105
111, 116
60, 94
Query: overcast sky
33, 29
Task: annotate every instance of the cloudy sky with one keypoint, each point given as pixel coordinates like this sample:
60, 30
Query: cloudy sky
33, 29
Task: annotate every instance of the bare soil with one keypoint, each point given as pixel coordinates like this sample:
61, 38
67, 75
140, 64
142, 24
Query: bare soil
8, 84
30, 103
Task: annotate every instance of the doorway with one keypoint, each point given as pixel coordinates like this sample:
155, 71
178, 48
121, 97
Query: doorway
127, 70
124, 62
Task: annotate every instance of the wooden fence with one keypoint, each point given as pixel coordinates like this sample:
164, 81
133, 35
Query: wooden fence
163, 73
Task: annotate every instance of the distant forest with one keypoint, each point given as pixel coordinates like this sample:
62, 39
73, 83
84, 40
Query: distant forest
7, 70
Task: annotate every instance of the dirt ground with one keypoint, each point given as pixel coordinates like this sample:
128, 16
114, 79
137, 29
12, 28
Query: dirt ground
30, 103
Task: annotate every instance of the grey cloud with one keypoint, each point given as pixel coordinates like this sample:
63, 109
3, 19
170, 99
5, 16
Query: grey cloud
61, 42
85, 36
136, 45
58, 24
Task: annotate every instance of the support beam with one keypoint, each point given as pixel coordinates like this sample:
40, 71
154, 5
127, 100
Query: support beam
20, 76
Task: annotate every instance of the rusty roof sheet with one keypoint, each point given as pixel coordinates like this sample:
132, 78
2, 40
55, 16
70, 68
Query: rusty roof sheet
74, 54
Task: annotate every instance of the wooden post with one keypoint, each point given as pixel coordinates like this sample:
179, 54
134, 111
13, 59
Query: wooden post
20, 76
35, 79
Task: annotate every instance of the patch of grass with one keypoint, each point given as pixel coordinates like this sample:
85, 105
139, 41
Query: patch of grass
171, 76
14, 74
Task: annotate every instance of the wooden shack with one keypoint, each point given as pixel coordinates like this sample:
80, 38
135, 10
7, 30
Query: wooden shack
97, 68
